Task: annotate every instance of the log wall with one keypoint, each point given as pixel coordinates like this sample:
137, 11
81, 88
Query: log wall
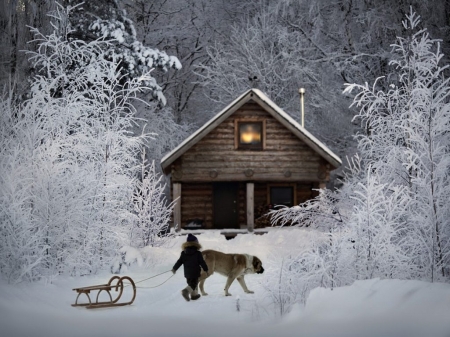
197, 203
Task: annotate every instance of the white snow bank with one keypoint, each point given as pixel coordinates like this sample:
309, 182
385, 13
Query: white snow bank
376, 308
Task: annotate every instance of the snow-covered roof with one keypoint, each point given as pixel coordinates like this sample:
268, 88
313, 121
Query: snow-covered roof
269, 106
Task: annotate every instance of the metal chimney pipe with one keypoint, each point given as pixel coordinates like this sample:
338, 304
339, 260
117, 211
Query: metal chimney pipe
301, 91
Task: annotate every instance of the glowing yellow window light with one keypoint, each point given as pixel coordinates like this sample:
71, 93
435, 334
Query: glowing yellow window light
250, 133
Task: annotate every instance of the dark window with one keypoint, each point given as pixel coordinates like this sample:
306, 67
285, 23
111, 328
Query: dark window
282, 195
250, 135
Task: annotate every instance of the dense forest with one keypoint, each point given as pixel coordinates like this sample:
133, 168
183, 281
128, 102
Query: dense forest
226, 47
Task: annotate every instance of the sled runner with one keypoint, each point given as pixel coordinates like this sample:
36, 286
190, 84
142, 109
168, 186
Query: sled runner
106, 287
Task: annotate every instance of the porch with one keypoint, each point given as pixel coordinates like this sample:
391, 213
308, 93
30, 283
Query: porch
234, 207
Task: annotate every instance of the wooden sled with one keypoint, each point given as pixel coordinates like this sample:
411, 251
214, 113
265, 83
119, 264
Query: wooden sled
106, 287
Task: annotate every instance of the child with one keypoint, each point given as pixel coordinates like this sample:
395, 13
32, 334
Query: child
192, 259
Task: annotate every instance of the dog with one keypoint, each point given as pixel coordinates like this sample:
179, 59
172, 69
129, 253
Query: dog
232, 266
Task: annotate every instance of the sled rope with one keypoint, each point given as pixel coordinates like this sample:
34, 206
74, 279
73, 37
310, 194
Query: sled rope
158, 284
148, 278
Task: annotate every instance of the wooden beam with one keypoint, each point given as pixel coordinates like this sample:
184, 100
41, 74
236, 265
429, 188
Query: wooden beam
250, 206
192, 177
177, 207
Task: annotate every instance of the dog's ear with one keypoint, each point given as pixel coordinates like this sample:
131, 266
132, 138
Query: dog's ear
256, 263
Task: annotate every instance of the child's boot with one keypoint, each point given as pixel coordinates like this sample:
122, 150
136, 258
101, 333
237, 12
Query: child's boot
195, 295
186, 292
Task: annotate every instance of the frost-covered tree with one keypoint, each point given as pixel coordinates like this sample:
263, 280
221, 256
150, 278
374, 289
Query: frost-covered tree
407, 139
378, 226
391, 214
258, 54
293, 270
68, 162
357, 232
152, 212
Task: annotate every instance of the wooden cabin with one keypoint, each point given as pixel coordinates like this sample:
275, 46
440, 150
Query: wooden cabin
248, 158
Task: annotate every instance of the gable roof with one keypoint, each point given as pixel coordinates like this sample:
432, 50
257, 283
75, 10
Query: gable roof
268, 105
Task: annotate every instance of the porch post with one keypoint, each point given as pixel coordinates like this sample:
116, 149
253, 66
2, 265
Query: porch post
177, 207
250, 207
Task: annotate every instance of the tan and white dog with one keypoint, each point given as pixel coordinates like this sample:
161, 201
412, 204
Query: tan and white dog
232, 266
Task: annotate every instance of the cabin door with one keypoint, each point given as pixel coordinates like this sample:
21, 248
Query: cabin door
225, 205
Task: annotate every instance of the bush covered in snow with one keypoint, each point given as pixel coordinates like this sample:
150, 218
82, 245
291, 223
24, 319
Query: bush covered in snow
68, 163
391, 217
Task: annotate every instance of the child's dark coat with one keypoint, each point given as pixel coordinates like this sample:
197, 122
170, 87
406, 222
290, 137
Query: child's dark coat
191, 258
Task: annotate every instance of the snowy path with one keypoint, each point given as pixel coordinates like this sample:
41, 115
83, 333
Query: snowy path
372, 308
45, 310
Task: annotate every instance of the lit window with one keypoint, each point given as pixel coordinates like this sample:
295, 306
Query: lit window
250, 135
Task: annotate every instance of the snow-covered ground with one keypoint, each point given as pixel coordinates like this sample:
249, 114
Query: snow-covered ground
382, 308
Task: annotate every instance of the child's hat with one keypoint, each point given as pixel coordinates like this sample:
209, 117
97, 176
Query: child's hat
191, 238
